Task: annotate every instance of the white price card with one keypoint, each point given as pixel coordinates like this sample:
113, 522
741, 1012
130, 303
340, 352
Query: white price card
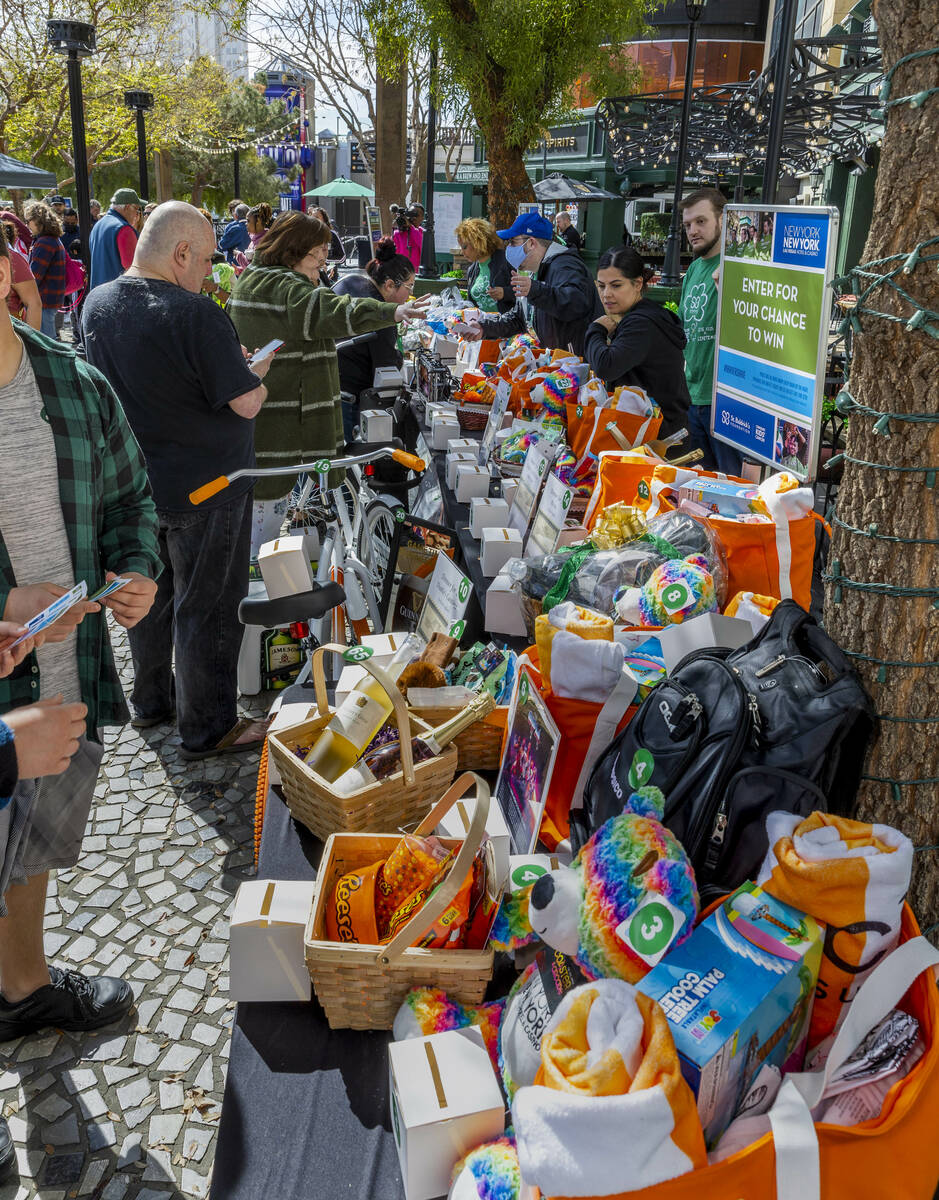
535, 470
447, 598
550, 517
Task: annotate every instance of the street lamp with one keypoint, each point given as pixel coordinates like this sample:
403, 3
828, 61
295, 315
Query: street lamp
76, 40
779, 88
671, 269
141, 102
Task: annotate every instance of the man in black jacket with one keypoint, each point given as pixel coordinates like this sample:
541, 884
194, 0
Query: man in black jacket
556, 296
567, 231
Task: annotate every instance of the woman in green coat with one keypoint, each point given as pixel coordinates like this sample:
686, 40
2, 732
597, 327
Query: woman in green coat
277, 296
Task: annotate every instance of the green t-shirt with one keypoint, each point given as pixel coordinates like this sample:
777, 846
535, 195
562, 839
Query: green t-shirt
478, 290
698, 312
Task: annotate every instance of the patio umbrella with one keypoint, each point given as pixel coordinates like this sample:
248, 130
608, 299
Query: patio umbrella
561, 187
16, 174
342, 188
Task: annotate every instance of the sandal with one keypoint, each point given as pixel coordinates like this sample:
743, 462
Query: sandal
233, 742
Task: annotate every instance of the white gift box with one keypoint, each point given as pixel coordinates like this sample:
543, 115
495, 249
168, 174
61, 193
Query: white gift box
456, 823
388, 377
285, 716
375, 425
701, 633
464, 444
497, 546
446, 347
471, 480
266, 940
285, 567
454, 458
445, 1101
508, 489
504, 609
487, 513
444, 427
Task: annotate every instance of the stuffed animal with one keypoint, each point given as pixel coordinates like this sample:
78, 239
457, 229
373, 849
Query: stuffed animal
587, 910
553, 391
675, 591
490, 1172
430, 1010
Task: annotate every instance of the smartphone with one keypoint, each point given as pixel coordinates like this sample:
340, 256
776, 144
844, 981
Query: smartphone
271, 348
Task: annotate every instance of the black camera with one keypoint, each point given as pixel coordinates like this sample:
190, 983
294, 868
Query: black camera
403, 217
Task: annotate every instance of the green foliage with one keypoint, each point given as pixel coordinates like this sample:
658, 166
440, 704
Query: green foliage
653, 226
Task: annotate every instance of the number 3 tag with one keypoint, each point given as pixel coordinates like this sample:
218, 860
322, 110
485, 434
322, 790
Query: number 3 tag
652, 928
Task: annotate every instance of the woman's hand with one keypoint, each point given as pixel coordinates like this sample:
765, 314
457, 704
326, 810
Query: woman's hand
414, 310
9, 659
132, 602
45, 736
608, 322
495, 293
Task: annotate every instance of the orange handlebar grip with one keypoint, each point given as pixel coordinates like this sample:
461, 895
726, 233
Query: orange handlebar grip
208, 490
408, 460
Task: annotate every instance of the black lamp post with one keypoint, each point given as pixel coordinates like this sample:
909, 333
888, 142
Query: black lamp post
76, 40
141, 102
428, 267
671, 269
779, 86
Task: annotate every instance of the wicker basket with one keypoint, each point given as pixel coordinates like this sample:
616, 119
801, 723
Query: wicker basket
362, 987
478, 748
473, 418
398, 801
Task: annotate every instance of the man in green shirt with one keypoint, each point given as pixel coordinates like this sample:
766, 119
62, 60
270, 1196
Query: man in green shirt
701, 214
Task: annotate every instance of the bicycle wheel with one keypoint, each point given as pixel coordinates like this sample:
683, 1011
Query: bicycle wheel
375, 551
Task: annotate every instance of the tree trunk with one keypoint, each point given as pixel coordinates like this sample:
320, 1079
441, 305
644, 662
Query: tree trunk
390, 140
199, 181
895, 370
163, 169
509, 183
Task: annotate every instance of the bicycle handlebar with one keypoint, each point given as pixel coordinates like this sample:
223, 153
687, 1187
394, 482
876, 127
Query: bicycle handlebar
322, 466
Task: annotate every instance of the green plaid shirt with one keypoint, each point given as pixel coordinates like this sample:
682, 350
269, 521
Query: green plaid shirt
108, 510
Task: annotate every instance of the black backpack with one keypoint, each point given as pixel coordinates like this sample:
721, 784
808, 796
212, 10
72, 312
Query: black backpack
783, 723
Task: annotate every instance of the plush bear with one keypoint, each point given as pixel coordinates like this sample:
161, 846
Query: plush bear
675, 591
586, 910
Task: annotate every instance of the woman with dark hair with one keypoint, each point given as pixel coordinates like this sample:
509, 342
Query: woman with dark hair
488, 276
336, 253
257, 222
388, 277
23, 298
278, 296
47, 262
637, 342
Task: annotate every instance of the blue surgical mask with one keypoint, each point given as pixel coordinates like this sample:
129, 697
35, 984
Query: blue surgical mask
516, 255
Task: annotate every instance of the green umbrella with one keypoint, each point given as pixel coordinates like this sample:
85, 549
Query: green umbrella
340, 188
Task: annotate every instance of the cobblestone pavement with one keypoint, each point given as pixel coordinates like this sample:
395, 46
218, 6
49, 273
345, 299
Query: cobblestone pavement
131, 1112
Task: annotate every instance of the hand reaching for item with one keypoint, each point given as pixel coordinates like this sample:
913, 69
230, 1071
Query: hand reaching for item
25, 602
9, 659
45, 736
414, 309
132, 603
473, 331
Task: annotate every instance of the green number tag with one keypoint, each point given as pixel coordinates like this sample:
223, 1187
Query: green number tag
643, 490
357, 654
457, 628
464, 590
400, 515
641, 768
321, 466
652, 928
675, 597
523, 690
527, 873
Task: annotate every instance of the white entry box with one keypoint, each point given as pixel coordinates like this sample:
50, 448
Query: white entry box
701, 633
464, 444
446, 347
504, 608
285, 567
456, 823
497, 547
454, 458
471, 481
266, 940
445, 1101
285, 716
388, 377
375, 425
487, 513
445, 426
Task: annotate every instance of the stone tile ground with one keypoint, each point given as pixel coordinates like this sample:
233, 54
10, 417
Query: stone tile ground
131, 1112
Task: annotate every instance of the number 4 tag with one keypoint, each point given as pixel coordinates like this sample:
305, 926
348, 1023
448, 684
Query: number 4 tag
652, 928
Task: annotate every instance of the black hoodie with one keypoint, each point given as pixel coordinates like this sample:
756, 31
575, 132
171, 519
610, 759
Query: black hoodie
645, 349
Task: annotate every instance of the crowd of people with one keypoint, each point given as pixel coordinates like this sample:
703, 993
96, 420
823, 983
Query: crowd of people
161, 392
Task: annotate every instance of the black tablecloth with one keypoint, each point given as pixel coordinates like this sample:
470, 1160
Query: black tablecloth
305, 1113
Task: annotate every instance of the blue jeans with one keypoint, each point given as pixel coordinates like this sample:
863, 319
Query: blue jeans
204, 577
718, 456
47, 325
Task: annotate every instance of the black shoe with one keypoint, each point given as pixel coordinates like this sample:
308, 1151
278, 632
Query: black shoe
7, 1150
149, 722
72, 1001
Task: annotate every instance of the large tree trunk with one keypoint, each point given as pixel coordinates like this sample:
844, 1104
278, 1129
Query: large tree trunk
390, 138
509, 183
897, 370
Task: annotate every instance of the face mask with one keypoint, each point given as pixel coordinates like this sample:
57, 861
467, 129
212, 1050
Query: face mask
516, 255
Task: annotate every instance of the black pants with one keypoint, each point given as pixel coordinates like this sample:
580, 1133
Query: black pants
205, 575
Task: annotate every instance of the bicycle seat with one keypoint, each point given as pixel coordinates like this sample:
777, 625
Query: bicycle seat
303, 606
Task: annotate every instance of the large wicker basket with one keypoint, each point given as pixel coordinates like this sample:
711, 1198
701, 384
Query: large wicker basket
362, 987
398, 801
478, 748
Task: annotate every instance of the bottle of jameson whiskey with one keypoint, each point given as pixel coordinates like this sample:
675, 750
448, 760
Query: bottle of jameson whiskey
383, 761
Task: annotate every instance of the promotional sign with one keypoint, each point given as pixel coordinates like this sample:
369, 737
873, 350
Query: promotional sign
447, 598
549, 520
772, 330
538, 461
494, 421
531, 746
373, 216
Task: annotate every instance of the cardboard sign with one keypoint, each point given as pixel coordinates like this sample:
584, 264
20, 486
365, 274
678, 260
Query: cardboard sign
550, 517
772, 333
494, 423
535, 470
446, 600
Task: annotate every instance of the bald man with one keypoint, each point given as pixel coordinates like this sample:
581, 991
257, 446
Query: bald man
175, 361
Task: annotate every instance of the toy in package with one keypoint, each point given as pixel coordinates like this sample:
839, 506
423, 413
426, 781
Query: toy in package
487, 668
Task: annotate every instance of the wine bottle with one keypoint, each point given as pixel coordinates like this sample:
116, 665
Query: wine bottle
384, 760
358, 718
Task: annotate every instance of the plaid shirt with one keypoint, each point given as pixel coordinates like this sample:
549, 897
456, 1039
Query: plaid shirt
47, 263
109, 515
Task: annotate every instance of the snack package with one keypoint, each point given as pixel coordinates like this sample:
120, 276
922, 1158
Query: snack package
411, 867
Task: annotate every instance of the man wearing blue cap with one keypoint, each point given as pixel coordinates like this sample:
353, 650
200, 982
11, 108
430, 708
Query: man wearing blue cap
556, 295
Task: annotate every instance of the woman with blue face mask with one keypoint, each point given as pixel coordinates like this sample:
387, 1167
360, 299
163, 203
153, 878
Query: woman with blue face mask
555, 296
